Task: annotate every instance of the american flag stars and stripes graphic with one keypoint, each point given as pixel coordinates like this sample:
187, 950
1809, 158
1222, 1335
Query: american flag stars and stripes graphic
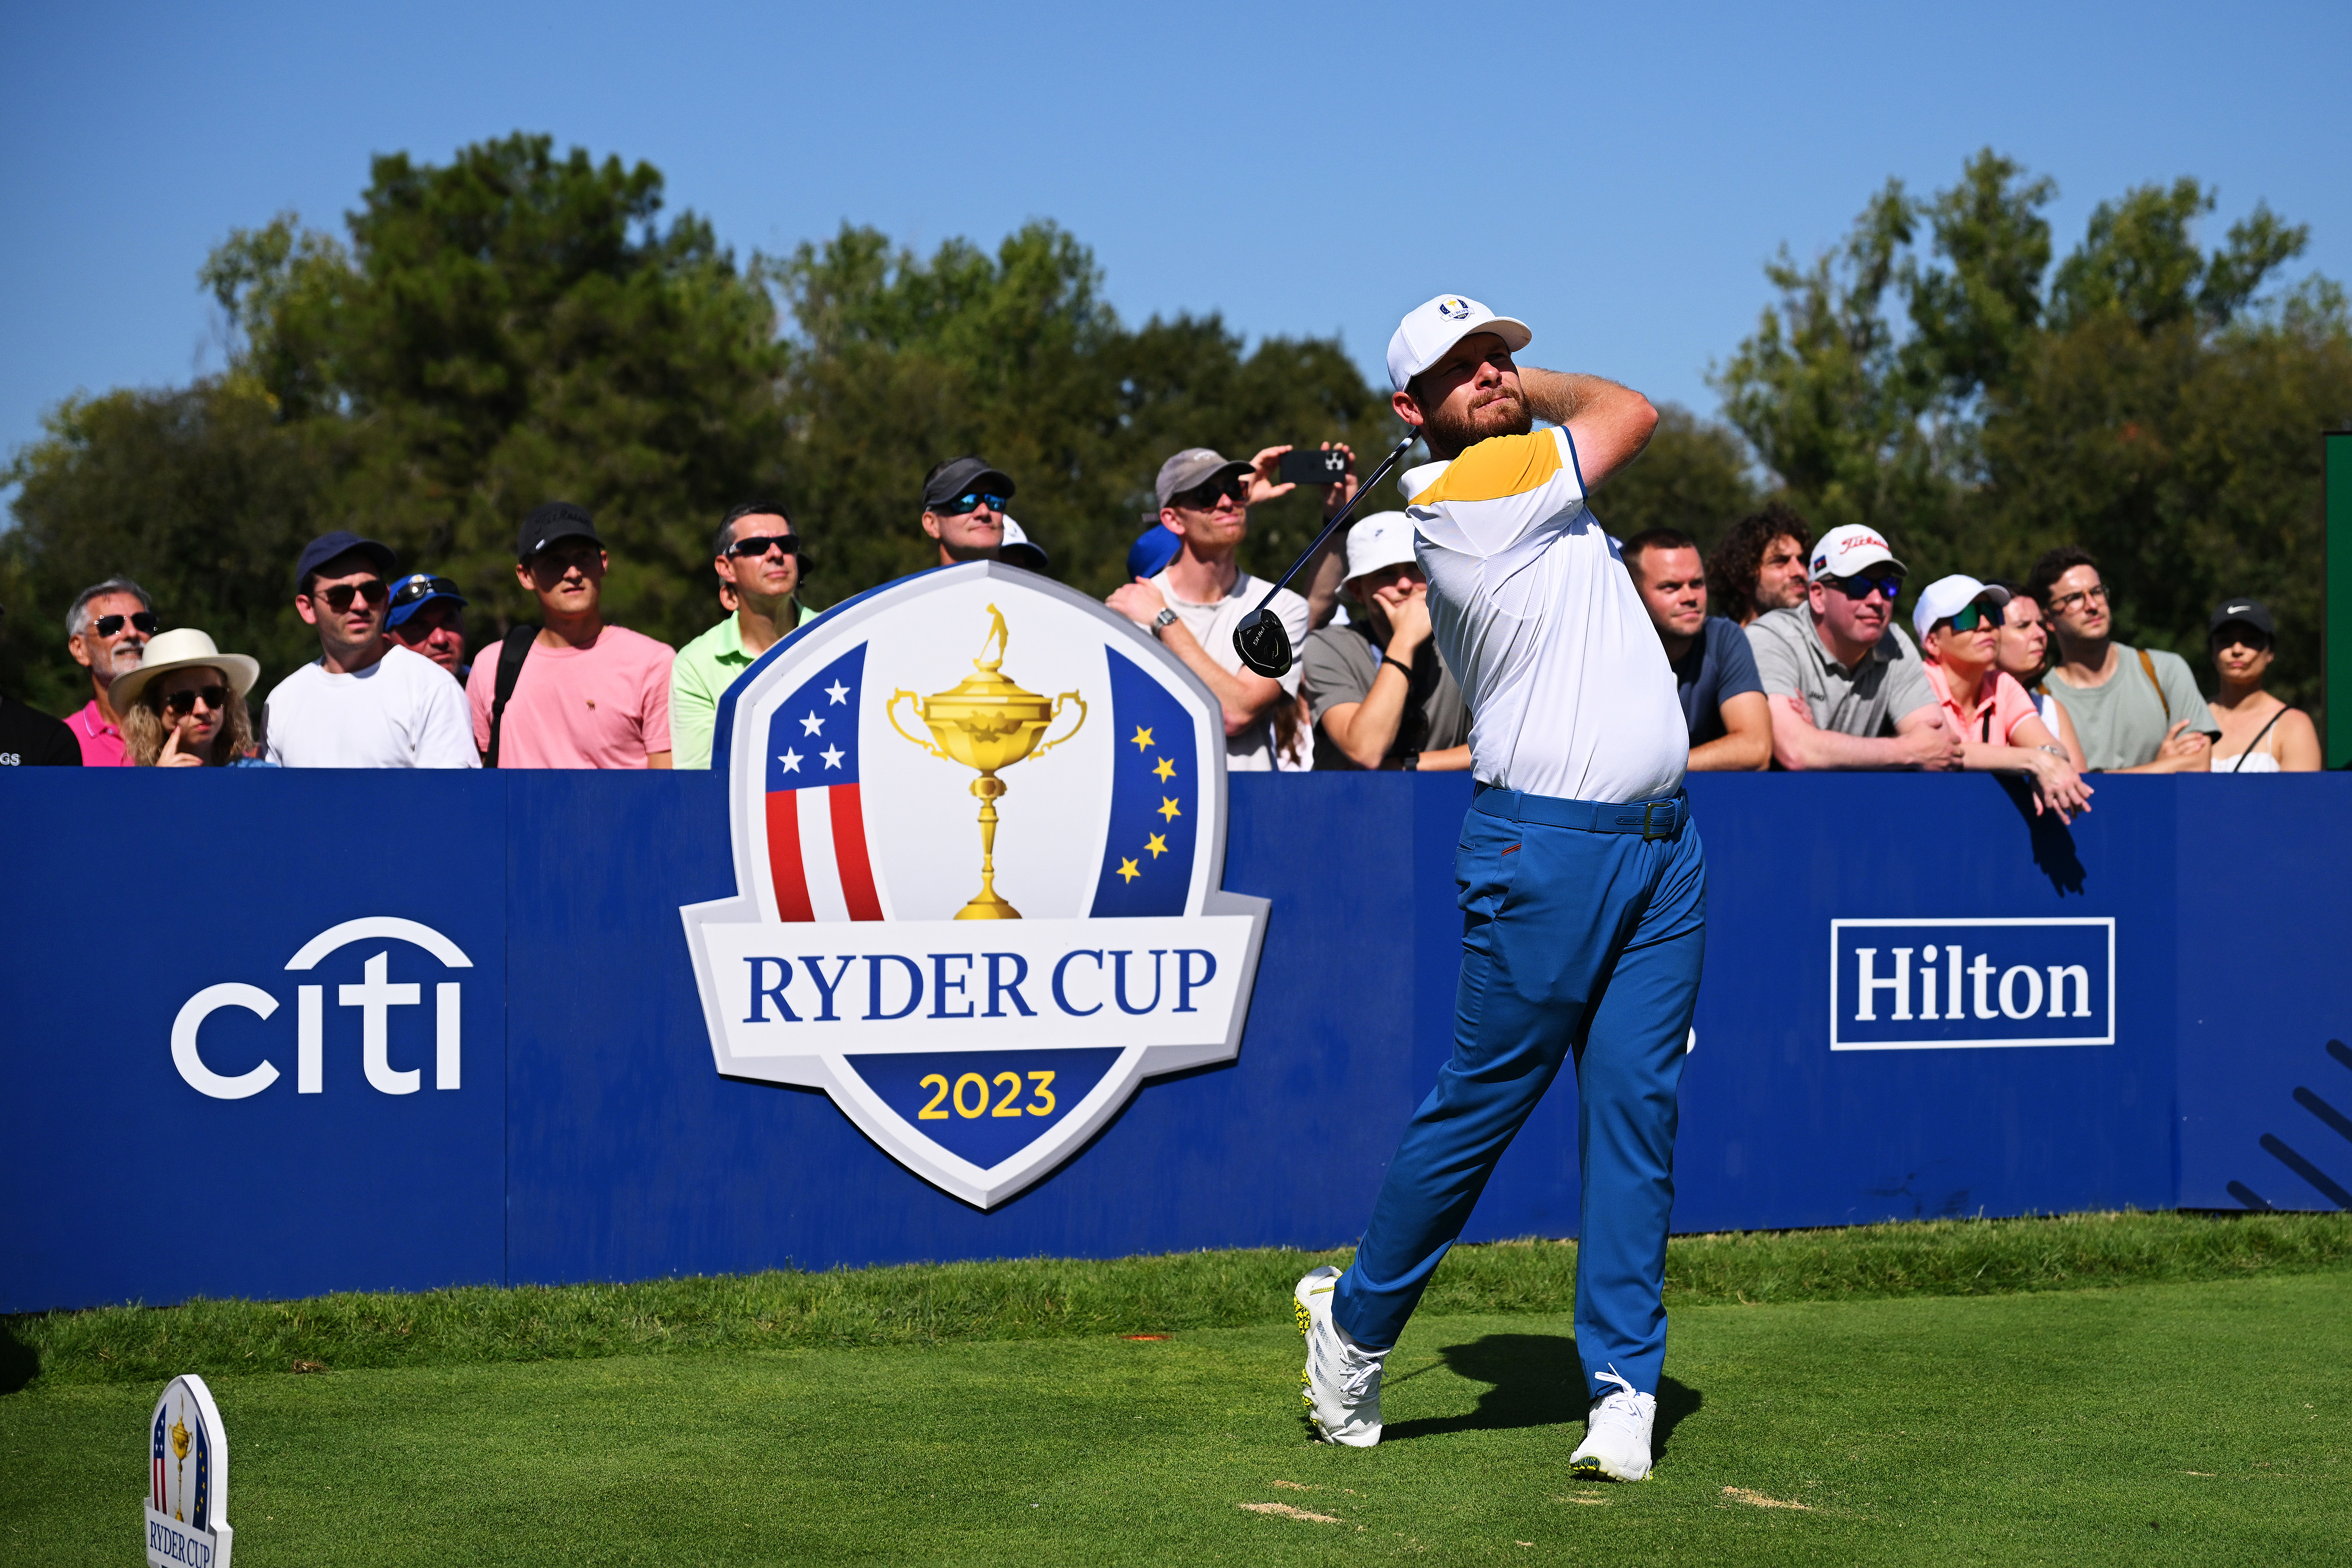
817, 857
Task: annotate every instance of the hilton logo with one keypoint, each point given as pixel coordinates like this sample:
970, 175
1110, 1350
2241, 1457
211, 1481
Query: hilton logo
1930, 984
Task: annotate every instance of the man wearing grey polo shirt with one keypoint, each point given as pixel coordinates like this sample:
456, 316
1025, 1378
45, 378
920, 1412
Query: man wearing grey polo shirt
1847, 688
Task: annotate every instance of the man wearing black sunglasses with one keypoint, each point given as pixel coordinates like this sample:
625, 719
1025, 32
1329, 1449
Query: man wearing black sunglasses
107, 632
367, 702
760, 561
963, 508
1847, 688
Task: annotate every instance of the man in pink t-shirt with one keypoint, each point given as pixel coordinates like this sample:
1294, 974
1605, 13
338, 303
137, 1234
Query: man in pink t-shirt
106, 631
589, 695
1958, 620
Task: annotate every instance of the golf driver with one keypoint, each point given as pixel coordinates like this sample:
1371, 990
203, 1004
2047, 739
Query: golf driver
1262, 640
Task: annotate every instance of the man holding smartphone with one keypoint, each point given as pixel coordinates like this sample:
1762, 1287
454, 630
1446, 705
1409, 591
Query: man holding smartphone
1198, 598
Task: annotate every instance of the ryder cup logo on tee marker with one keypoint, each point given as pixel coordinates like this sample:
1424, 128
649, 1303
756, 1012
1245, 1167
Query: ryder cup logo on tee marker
979, 990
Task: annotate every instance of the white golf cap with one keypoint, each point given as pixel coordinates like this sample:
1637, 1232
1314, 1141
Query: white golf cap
1383, 539
1848, 550
1947, 597
1429, 330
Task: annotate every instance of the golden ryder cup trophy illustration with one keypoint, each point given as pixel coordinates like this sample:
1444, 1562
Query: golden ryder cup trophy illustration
988, 723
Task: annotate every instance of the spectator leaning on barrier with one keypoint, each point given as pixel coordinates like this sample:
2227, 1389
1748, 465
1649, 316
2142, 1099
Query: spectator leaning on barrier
1714, 674
1846, 687
963, 508
2259, 734
2022, 650
183, 707
1376, 693
2137, 710
572, 692
1760, 565
425, 618
31, 739
1197, 599
367, 702
106, 631
1958, 621
760, 561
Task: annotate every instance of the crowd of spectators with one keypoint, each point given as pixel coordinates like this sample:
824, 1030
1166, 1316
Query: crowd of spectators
1784, 655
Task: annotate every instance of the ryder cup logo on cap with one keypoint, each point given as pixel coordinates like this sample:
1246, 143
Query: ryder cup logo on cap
978, 827
1850, 551
1432, 329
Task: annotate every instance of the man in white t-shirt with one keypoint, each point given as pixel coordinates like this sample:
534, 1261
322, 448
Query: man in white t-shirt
368, 702
1202, 594
1583, 885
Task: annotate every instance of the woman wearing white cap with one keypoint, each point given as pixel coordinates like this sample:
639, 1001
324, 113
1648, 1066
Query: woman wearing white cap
183, 707
1958, 620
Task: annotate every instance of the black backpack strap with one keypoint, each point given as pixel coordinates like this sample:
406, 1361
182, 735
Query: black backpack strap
511, 653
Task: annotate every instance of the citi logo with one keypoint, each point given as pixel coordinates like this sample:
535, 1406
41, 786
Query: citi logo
1932, 985
374, 997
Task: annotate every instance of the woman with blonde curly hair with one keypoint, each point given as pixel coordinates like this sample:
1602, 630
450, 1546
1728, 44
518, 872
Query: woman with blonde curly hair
183, 707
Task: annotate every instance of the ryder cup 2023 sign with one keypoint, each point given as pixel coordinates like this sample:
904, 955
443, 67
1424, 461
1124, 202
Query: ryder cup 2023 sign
188, 1481
979, 825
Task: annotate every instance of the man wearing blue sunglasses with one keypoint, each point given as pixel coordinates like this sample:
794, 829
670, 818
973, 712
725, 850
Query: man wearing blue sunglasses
963, 508
1847, 688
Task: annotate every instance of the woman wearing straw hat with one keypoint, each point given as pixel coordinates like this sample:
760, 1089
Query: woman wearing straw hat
183, 707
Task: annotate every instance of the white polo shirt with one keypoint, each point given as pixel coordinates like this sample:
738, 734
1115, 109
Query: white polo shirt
1570, 694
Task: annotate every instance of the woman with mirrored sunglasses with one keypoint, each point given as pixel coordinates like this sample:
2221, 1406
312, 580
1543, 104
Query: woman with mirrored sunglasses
183, 707
1958, 620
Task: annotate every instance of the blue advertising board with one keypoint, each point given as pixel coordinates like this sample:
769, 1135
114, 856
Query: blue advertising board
369, 1031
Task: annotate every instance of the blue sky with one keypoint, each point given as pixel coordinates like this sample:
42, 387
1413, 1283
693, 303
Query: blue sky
1616, 176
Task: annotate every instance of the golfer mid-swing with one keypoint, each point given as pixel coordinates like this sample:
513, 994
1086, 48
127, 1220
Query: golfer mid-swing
1583, 887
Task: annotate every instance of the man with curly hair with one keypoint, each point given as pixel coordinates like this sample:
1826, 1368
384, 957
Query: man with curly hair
1760, 565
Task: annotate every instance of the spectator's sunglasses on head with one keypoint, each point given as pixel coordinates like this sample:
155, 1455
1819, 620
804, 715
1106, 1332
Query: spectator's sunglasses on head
970, 501
143, 621
749, 549
339, 597
180, 704
417, 588
1234, 488
1864, 587
2066, 602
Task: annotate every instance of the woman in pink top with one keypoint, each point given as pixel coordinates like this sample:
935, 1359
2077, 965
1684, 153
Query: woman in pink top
1959, 623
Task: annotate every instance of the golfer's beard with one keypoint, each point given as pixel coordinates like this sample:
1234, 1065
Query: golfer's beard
1502, 415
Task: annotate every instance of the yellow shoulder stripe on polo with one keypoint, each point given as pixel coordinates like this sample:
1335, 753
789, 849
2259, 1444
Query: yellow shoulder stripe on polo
1497, 467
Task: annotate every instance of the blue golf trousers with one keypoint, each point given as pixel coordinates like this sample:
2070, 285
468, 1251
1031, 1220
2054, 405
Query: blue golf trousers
1574, 940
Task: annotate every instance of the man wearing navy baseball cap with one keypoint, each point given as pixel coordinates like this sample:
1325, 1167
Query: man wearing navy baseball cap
367, 702
1583, 884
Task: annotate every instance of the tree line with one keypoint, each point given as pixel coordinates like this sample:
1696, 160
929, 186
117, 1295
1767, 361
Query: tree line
518, 325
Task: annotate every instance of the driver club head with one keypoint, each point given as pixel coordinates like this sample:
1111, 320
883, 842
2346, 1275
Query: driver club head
1263, 643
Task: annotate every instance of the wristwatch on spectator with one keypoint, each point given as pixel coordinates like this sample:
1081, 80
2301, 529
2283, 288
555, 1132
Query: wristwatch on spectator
1409, 762
1159, 622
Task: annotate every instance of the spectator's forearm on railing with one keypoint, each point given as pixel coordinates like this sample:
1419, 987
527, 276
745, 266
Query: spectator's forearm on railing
1245, 696
1922, 741
1746, 744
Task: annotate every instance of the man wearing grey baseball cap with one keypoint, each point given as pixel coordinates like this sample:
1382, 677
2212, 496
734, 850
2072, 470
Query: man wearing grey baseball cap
1202, 594
963, 508
1583, 884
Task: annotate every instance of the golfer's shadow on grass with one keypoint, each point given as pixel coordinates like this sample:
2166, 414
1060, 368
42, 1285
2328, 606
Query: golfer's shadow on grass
1536, 1381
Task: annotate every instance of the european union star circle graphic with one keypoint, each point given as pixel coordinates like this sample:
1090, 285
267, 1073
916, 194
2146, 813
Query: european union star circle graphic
978, 824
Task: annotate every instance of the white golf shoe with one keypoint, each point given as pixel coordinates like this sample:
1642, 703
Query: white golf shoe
1341, 1384
1617, 1433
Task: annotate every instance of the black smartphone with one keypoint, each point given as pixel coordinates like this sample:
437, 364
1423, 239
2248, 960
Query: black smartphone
1302, 466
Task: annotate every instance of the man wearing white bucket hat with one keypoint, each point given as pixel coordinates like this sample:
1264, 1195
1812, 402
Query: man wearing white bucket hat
183, 707
1583, 883
1378, 692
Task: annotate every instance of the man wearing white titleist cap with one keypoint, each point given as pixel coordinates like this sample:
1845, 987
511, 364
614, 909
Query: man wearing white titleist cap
1376, 690
1583, 883
1847, 686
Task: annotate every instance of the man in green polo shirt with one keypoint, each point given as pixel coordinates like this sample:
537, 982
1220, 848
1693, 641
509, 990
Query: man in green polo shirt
758, 557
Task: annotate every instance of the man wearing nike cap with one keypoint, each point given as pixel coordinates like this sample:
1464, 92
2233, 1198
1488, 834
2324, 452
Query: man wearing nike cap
1846, 687
1583, 883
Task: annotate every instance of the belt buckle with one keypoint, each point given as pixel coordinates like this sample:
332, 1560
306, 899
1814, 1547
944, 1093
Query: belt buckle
1648, 808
